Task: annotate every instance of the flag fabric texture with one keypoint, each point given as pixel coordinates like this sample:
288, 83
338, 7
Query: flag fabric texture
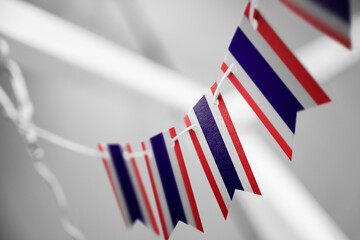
271, 79
219, 150
333, 17
128, 186
170, 182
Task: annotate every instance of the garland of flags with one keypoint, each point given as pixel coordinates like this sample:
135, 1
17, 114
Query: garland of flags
275, 85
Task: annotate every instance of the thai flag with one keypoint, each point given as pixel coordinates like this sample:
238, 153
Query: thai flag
219, 150
333, 17
170, 182
271, 79
128, 186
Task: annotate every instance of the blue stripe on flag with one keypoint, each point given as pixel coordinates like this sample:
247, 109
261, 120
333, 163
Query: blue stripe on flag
264, 77
125, 181
168, 179
340, 8
217, 146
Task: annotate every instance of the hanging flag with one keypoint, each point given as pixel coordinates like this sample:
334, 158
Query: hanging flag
170, 182
219, 150
271, 79
128, 187
333, 17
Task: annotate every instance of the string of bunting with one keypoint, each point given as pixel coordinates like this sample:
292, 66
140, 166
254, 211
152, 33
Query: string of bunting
262, 69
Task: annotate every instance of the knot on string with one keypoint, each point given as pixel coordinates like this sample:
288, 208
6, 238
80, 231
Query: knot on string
35, 151
22, 118
21, 115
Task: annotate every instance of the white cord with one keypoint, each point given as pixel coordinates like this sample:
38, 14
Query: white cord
65, 143
22, 118
8, 106
140, 154
174, 139
253, 21
217, 91
26, 108
12, 113
60, 199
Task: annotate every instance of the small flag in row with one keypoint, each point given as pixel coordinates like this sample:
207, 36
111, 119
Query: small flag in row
171, 184
275, 85
271, 79
128, 187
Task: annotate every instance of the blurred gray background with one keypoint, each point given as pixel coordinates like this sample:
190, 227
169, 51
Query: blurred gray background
316, 196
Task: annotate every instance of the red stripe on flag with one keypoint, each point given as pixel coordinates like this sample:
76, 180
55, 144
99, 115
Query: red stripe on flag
289, 59
157, 200
108, 172
318, 23
235, 138
143, 192
186, 180
206, 168
276, 135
